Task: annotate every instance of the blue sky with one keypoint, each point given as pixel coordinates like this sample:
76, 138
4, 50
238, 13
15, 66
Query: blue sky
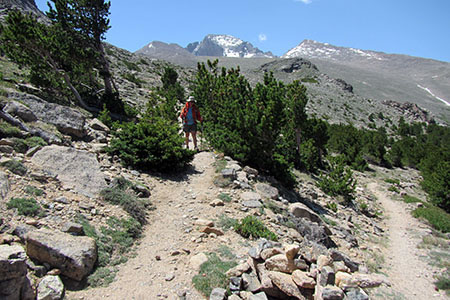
413, 27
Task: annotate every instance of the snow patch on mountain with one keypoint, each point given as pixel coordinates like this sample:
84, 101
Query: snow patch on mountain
433, 95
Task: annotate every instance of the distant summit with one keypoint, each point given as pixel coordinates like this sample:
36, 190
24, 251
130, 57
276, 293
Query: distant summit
312, 49
225, 46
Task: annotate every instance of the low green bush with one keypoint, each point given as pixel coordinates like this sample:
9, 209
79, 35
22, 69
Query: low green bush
8, 130
225, 222
225, 197
25, 206
436, 216
339, 180
121, 193
33, 191
151, 144
411, 199
250, 226
15, 166
212, 274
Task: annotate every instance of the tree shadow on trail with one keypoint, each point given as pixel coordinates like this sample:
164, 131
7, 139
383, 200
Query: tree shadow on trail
181, 175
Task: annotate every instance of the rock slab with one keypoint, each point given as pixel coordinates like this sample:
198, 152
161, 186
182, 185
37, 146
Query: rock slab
74, 256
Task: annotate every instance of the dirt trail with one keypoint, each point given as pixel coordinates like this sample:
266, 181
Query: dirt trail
408, 274
161, 268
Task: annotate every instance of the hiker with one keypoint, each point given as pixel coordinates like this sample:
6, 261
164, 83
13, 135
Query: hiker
190, 115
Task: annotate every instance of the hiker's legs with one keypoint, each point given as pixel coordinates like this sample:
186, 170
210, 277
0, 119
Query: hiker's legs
187, 139
194, 138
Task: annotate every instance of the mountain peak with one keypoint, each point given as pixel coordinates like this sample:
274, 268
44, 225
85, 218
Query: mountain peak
225, 45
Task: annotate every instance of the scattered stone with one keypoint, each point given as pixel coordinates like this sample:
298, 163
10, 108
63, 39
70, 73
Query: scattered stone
197, 260
280, 263
250, 171
332, 293
62, 200
339, 256
250, 282
4, 185
73, 228
327, 276
216, 202
238, 270
229, 173
235, 284
267, 191
50, 288
218, 294
252, 204
303, 280
213, 230
291, 251
300, 210
356, 294
202, 222
259, 296
285, 283
170, 277
268, 253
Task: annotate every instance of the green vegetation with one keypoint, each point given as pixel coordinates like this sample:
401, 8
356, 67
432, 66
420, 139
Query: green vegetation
113, 246
22, 145
225, 222
332, 206
225, 197
7, 130
339, 180
262, 127
132, 66
122, 193
67, 56
252, 227
132, 78
411, 199
436, 216
33, 191
212, 274
25, 206
220, 164
392, 181
15, 166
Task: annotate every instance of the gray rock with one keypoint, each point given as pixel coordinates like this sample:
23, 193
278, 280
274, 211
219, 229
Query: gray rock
250, 282
229, 173
96, 124
255, 252
235, 284
17, 109
50, 288
252, 204
4, 185
6, 149
218, 294
67, 120
332, 293
259, 296
22, 230
250, 196
12, 262
250, 171
300, 210
327, 276
74, 256
13, 270
73, 228
267, 191
336, 255
356, 294
78, 170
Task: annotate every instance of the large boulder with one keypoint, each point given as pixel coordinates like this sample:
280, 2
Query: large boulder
17, 109
67, 120
76, 169
74, 256
13, 271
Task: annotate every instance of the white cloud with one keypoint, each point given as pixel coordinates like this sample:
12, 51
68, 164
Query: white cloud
304, 1
262, 37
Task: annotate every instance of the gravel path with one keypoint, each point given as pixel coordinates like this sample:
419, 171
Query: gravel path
409, 274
